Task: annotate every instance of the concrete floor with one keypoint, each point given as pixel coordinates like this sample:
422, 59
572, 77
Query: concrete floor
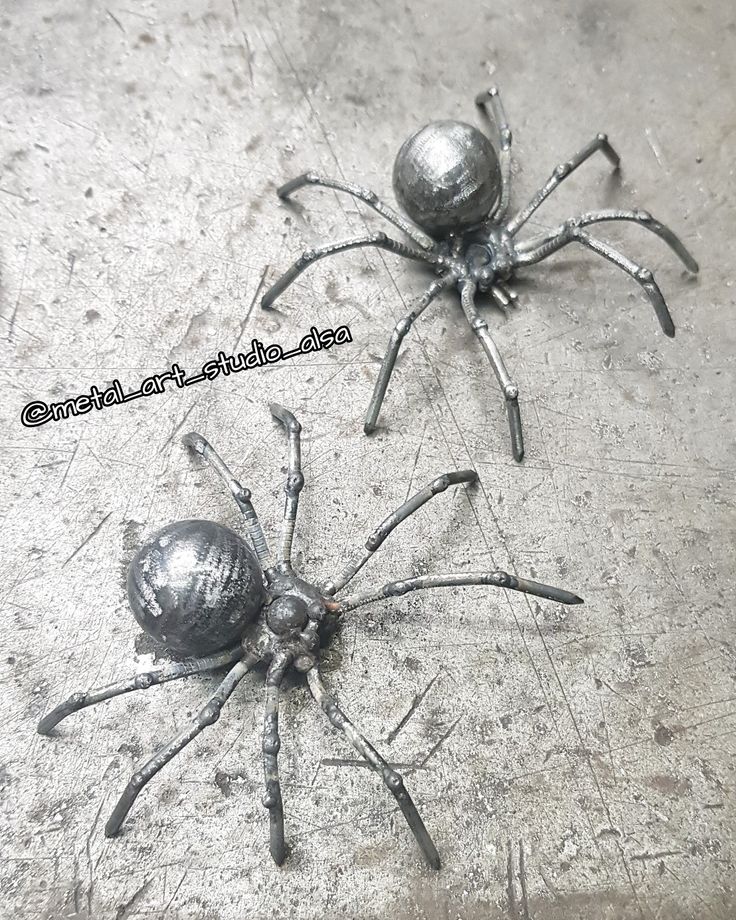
569, 763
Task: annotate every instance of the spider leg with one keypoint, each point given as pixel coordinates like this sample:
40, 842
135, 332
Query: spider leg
312, 255
509, 389
141, 681
393, 780
561, 172
400, 332
571, 233
363, 194
642, 218
374, 541
456, 580
271, 744
241, 495
504, 133
294, 480
208, 715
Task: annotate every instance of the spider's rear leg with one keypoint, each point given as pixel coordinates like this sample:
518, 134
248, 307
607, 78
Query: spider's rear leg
294, 480
400, 332
393, 780
271, 744
380, 240
492, 97
143, 681
208, 715
561, 172
242, 496
509, 389
362, 194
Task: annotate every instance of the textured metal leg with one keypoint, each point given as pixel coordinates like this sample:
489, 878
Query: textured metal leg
206, 716
364, 194
374, 541
461, 579
570, 232
393, 780
504, 133
140, 681
397, 337
294, 479
271, 744
509, 389
380, 240
642, 218
600, 142
241, 495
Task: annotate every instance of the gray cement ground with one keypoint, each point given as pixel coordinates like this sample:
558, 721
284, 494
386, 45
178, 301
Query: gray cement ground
570, 763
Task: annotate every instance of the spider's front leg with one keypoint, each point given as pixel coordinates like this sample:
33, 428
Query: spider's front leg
509, 389
540, 248
393, 780
379, 240
271, 745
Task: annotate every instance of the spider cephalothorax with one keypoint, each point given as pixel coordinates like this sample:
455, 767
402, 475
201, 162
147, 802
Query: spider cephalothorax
455, 188
203, 590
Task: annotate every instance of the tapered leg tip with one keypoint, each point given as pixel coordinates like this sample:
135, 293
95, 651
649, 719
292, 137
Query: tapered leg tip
669, 331
368, 428
577, 600
518, 454
435, 863
279, 856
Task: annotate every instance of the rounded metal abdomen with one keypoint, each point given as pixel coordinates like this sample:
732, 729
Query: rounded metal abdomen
447, 177
194, 586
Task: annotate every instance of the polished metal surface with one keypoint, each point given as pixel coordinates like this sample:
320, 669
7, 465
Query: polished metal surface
447, 177
194, 586
195, 582
450, 182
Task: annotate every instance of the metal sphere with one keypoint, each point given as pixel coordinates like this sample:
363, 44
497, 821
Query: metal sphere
194, 586
447, 177
286, 614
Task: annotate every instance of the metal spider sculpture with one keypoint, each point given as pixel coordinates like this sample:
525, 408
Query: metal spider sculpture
456, 189
202, 590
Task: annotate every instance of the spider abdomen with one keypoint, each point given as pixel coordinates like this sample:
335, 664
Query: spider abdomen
447, 177
194, 586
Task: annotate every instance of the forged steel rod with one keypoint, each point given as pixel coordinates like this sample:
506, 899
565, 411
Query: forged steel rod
208, 715
363, 194
374, 541
393, 780
242, 496
294, 480
456, 580
141, 681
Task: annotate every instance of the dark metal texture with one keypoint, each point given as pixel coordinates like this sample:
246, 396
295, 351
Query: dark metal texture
194, 586
450, 181
197, 575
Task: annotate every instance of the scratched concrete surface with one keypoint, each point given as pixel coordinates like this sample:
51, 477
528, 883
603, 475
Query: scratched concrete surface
569, 763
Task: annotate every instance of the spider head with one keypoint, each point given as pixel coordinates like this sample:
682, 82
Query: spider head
287, 614
447, 177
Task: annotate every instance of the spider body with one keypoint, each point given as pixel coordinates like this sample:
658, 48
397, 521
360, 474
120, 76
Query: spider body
454, 187
447, 177
280, 623
194, 586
